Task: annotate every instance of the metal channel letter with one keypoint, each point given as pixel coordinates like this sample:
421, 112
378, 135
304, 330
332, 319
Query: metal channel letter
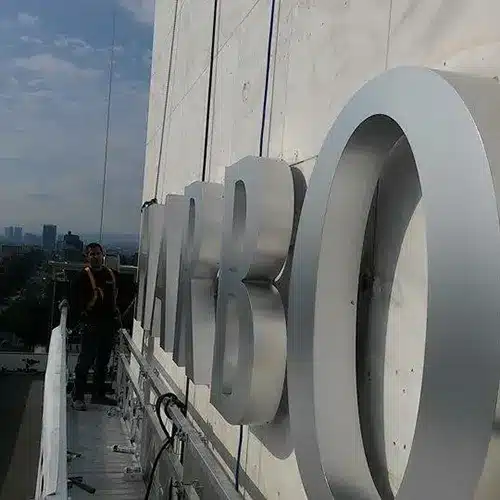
195, 321
142, 265
447, 120
250, 347
156, 216
175, 222
158, 324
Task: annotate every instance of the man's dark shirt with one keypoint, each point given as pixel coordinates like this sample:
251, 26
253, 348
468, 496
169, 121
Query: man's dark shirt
82, 293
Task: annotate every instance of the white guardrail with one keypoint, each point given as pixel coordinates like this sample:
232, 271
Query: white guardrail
52, 464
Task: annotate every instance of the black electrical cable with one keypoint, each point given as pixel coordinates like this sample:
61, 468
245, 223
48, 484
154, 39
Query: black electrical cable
159, 402
205, 155
184, 411
167, 443
261, 151
171, 398
238, 461
267, 78
210, 89
186, 399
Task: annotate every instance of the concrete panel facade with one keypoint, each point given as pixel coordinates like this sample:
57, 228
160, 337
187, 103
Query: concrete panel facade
278, 98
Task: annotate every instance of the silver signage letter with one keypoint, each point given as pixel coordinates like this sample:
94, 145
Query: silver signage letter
250, 347
195, 321
142, 265
156, 217
159, 305
452, 126
167, 280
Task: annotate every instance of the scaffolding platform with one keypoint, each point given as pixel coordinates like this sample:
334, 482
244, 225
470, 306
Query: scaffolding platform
92, 434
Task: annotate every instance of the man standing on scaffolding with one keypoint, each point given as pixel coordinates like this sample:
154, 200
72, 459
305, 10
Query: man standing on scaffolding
93, 302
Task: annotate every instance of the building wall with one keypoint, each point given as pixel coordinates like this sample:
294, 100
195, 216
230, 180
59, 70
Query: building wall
321, 51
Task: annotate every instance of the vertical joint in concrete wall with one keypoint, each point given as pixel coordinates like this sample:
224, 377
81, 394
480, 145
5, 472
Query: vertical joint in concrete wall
267, 79
213, 56
167, 92
267, 76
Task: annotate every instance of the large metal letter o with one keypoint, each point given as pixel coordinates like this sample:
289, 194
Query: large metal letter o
452, 125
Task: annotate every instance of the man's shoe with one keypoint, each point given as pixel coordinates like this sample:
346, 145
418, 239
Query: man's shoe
79, 405
103, 400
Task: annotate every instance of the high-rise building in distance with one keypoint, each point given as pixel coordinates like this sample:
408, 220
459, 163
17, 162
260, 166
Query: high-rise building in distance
72, 247
49, 237
32, 239
18, 234
9, 233
14, 234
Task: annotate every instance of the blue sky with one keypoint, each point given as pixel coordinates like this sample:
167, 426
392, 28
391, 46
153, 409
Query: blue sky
54, 56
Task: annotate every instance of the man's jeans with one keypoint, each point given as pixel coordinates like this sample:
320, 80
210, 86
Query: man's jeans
96, 347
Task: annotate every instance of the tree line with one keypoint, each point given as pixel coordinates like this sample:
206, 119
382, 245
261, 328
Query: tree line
25, 294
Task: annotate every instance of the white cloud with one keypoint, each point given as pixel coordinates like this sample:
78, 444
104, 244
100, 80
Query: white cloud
35, 83
26, 19
46, 65
53, 95
76, 45
52, 143
42, 93
142, 10
31, 39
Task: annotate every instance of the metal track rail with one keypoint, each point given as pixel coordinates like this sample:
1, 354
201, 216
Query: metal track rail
200, 476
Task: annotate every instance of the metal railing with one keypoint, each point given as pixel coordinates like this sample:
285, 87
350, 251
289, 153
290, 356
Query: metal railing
199, 475
52, 464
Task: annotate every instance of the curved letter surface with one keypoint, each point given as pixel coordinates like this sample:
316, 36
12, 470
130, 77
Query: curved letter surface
250, 345
195, 319
447, 120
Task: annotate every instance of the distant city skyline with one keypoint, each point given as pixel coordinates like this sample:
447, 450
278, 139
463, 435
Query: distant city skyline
50, 239
89, 235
